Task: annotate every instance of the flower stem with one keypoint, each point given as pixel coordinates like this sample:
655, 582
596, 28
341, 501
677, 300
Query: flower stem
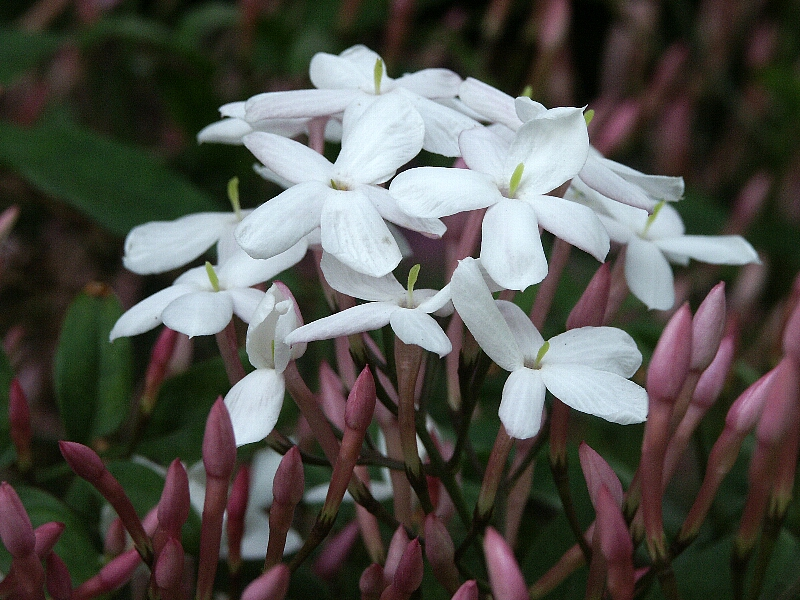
229, 349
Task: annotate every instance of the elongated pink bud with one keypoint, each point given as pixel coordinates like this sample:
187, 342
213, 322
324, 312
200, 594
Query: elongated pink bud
440, 552
111, 577
237, 508
467, 591
708, 326
599, 475
591, 308
372, 582
88, 465
711, 382
173, 507
59, 583
19, 416
287, 491
669, 364
615, 544
361, 402
160, 358
504, 574
219, 444
272, 585
791, 331
334, 555
168, 573
47, 535
16, 530
397, 546
408, 576
331, 395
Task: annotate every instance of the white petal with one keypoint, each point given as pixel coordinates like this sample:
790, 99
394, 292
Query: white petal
605, 395
289, 159
431, 83
433, 192
414, 326
717, 250
260, 342
649, 275
245, 302
241, 270
438, 303
528, 337
281, 222
599, 177
388, 208
165, 245
658, 187
347, 281
442, 126
511, 249
226, 131
233, 109
334, 72
298, 104
147, 314
604, 348
573, 223
521, 407
199, 313
354, 232
528, 109
364, 317
387, 135
553, 149
363, 57
254, 404
667, 224
496, 106
485, 151
480, 314
270, 175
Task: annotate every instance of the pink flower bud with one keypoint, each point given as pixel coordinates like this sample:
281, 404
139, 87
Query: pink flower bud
467, 591
237, 507
59, 583
599, 475
173, 507
781, 396
791, 331
615, 544
334, 555
47, 535
168, 571
157, 368
289, 482
707, 328
112, 576
16, 530
83, 461
408, 576
361, 402
19, 416
219, 444
711, 382
272, 585
372, 582
440, 552
504, 574
591, 307
331, 395
396, 548
115, 540
746, 410
669, 364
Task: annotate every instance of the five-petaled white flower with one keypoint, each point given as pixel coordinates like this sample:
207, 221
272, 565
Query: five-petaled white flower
586, 368
255, 402
513, 180
344, 198
406, 310
653, 241
358, 76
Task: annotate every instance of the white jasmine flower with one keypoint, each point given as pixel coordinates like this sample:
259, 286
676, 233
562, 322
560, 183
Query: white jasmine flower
203, 300
653, 241
344, 199
407, 311
255, 402
358, 75
512, 180
586, 368
608, 177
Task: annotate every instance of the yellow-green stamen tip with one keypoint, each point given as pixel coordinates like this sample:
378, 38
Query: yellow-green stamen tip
542, 351
377, 74
527, 91
652, 217
516, 177
212, 276
233, 196
272, 347
588, 115
413, 273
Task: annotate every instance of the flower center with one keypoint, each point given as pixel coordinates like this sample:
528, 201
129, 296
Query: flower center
377, 75
537, 362
413, 273
339, 185
652, 218
516, 178
212, 276
233, 196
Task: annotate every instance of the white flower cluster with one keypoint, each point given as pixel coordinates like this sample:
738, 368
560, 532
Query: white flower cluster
517, 152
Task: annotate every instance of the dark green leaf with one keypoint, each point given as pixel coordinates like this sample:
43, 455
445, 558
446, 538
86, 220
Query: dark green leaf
92, 375
6, 449
20, 51
118, 186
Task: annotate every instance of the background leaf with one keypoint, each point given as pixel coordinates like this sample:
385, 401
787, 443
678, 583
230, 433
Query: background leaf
20, 51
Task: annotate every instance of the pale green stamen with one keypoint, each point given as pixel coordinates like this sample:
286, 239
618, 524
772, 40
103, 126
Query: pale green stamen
333, 185
233, 196
542, 351
516, 177
413, 273
377, 75
272, 346
527, 91
652, 217
212, 276
588, 116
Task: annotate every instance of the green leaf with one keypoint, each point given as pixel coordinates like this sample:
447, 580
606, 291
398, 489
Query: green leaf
21, 51
92, 375
7, 452
117, 185
75, 545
